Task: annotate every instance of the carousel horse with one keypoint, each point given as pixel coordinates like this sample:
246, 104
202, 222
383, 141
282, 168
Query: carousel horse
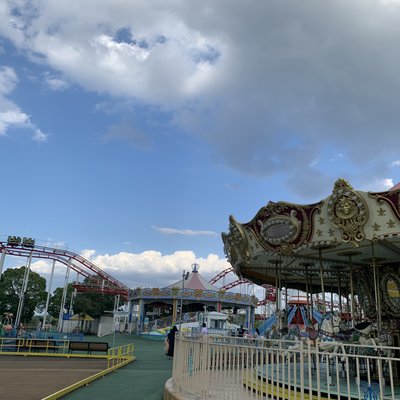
322, 338
322, 335
328, 329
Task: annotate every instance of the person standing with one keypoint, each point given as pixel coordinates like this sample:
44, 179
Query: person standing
170, 342
204, 329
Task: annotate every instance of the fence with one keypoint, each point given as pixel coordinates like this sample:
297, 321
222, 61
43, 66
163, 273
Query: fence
211, 367
116, 356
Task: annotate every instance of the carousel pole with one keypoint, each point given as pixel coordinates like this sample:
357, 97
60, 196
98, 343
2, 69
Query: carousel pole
351, 293
322, 281
350, 254
311, 301
376, 288
307, 291
286, 293
277, 289
340, 290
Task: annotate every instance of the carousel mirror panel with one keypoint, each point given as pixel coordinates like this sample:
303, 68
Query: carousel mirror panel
390, 285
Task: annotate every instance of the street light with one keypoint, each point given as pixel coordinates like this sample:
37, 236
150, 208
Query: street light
185, 276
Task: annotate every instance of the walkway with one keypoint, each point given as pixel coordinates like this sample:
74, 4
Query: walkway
32, 378
143, 379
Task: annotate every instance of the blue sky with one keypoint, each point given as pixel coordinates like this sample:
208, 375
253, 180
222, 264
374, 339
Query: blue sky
131, 132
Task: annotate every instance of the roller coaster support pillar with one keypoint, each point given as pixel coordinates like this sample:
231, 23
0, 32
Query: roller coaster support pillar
64, 297
2, 258
23, 291
48, 295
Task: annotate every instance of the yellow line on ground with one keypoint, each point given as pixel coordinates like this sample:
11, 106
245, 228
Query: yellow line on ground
86, 381
275, 391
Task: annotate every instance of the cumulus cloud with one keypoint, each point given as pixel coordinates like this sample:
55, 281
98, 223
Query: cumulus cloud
152, 268
268, 100
10, 114
147, 269
183, 232
56, 84
379, 185
127, 132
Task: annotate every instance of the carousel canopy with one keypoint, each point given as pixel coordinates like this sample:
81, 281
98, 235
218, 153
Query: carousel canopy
315, 245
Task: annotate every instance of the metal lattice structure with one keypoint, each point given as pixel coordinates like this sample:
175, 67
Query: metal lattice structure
97, 279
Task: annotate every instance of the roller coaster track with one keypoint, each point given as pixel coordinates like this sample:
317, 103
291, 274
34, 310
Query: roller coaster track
236, 283
271, 290
221, 275
97, 279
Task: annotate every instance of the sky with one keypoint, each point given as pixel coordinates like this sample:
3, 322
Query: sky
131, 130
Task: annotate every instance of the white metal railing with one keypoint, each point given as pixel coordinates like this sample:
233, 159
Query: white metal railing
220, 367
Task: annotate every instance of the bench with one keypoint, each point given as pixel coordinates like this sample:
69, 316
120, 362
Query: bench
31, 345
88, 347
41, 345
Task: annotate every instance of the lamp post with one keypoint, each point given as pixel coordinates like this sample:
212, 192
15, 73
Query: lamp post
185, 275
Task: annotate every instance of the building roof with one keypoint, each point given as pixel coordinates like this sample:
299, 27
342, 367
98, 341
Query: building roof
194, 281
396, 187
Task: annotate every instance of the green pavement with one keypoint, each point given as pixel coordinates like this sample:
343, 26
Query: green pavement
142, 379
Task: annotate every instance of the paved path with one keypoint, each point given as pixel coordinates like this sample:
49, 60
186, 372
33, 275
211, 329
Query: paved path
32, 378
143, 379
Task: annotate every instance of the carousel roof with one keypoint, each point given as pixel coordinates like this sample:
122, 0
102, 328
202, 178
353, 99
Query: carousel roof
307, 246
194, 281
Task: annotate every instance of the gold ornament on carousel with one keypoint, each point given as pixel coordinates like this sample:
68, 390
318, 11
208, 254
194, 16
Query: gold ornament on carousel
348, 211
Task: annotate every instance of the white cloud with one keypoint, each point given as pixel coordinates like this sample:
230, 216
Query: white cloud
337, 157
233, 186
395, 163
378, 185
152, 268
39, 136
55, 83
128, 132
311, 74
10, 114
183, 232
8, 80
147, 269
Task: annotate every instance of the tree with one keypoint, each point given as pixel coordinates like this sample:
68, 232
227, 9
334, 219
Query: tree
10, 290
93, 304
55, 300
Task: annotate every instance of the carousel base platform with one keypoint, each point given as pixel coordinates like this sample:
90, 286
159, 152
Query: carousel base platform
271, 383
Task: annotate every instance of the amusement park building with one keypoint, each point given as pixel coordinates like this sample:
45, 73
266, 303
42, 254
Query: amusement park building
195, 293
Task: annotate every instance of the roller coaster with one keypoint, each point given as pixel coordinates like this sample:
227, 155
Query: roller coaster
96, 279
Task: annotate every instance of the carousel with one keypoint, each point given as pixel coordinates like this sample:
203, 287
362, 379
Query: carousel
339, 338
347, 244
